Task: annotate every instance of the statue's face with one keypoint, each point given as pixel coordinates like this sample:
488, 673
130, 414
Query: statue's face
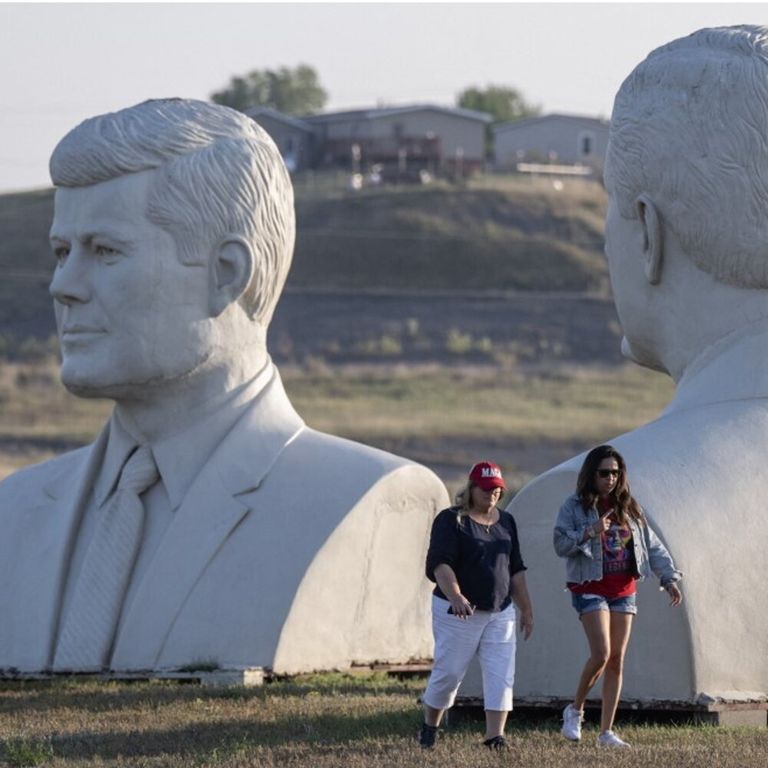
131, 317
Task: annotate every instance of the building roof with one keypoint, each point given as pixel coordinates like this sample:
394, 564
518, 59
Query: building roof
596, 122
381, 112
295, 122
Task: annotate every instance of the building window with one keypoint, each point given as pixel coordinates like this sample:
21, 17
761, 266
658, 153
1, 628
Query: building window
586, 144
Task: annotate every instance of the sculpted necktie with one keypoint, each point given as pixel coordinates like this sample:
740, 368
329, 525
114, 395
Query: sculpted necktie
89, 629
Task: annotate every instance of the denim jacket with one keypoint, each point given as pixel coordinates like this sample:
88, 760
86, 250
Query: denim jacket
584, 559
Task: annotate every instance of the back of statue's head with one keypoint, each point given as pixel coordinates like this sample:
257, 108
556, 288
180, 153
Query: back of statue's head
690, 130
218, 174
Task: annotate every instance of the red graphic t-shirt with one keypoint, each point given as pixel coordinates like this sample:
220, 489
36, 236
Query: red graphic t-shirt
619, 567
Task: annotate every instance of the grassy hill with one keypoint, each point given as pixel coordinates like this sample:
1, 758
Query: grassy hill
492, 234
25, 264
441, 323
503, 233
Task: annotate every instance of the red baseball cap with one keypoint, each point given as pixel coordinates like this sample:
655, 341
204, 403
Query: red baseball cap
487, 476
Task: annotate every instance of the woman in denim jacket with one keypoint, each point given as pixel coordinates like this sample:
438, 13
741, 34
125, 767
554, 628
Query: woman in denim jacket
608, 545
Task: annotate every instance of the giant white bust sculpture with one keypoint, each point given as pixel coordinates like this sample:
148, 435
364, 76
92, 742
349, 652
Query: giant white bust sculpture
687, 246
207, 522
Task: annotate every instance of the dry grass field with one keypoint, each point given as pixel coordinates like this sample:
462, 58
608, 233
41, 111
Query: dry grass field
441, 379
331, 721
446, 418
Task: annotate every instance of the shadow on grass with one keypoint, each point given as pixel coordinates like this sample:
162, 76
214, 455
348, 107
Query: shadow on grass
94, 696
200, 740
45, 696
524, 718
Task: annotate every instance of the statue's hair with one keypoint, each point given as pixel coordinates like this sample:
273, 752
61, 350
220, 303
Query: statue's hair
218, 174
690, 130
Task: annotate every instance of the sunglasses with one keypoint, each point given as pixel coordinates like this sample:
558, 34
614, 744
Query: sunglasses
608, 473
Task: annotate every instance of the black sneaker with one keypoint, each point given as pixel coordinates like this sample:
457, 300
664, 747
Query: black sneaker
427, 735
497, 742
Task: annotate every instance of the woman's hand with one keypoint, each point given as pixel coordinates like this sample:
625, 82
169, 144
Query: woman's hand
460, 606
526, 623
602, 525
523, 602
675, 595
449, 586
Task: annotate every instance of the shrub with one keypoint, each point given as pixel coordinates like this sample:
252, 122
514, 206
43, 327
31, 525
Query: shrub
27, 752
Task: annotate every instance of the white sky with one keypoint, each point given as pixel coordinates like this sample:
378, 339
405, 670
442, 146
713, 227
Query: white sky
61, 63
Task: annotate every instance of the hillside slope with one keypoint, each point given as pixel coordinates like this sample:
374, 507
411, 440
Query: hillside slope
494, 234
25, 264
500, 233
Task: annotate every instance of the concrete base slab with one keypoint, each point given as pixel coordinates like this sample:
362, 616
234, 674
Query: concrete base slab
705, 711
244, 676
738, 717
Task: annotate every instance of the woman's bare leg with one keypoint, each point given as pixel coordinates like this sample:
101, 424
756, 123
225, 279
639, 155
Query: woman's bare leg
597, 628
620, 629
495, 721
433, 716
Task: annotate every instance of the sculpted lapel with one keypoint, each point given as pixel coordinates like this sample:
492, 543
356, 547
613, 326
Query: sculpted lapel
43, 548
209, 513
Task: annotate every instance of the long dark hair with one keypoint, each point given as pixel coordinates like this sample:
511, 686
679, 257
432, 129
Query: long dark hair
586, 488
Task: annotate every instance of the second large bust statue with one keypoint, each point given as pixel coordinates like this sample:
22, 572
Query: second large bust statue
206, 523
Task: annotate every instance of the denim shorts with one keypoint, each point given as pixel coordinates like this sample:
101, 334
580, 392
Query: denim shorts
588, 603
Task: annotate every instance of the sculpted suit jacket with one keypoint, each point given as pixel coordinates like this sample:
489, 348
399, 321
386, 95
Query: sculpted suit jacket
292, 549
699, 471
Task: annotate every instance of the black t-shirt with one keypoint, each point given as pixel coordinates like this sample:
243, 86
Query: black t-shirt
483, 559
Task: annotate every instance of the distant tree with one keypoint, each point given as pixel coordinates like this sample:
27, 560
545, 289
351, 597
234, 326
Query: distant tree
294, 91
501, 101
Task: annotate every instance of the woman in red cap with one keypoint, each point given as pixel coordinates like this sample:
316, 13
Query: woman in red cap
474, 559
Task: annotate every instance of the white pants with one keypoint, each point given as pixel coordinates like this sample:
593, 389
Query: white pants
491, 636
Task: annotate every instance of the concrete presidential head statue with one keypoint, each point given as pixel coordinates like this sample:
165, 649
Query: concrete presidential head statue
173, 231
687, 175
207, 521
687, 245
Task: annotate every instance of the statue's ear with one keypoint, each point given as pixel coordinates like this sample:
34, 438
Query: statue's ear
653, 246
232, 268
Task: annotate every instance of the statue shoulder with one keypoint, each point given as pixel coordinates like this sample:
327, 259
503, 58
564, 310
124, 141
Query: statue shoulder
36, 476
331, 449
332, 460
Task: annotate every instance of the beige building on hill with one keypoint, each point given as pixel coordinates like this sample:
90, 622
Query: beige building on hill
555, 138
440, 139
401, 141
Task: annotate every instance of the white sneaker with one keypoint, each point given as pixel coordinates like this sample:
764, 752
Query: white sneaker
610, 739
572, 720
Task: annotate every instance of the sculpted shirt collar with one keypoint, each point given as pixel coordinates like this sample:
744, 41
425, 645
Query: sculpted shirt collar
172, 453
733, 368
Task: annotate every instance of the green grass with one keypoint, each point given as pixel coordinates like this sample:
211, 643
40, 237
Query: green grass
28, 752
326, 721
